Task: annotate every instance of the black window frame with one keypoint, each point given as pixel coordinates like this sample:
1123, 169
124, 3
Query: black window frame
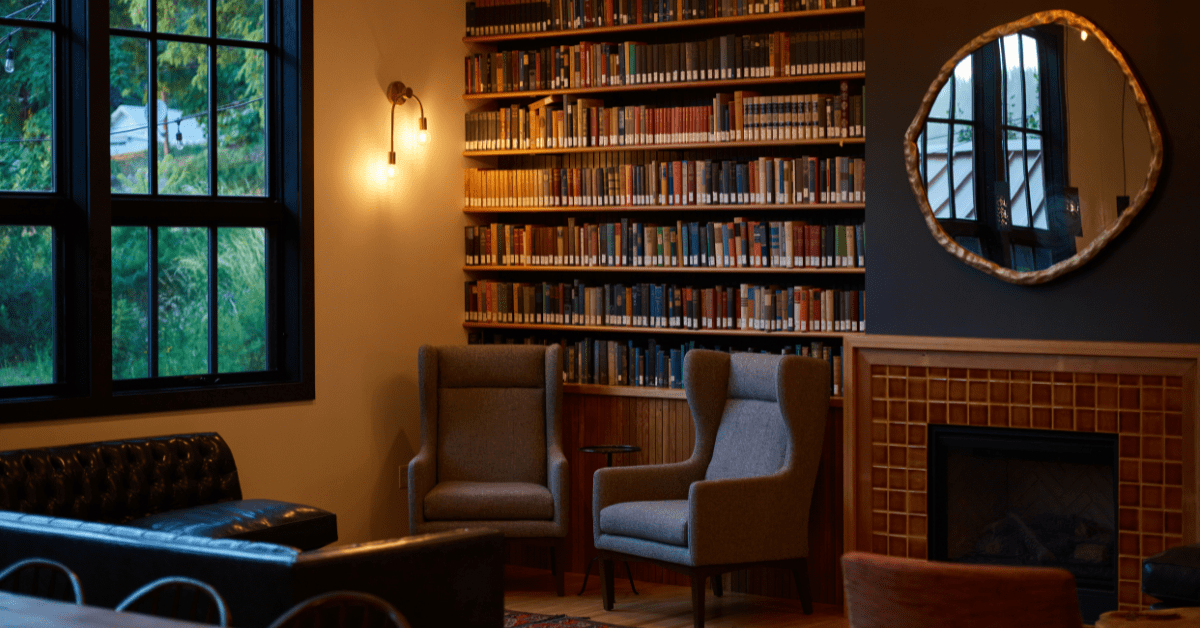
82, 212
996, 237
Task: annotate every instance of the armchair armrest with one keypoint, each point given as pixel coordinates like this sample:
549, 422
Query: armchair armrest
739, 520
613, 485
558, 481
422, 475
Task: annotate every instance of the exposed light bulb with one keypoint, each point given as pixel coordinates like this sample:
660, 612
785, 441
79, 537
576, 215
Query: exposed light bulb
1083, 35
423, 133
391, 172
9, 63
391, 169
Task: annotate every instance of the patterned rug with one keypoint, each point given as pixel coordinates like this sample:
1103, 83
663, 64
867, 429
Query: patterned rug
519, 619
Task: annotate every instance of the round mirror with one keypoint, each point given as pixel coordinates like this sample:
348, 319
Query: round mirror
1033, 148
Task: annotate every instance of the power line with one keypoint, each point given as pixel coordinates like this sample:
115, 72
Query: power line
190, 116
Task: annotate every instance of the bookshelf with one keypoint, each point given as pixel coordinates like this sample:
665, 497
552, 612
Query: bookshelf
535, 72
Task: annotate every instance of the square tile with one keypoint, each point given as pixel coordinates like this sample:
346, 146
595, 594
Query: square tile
878, 369
897, 410
917, 389
897, 501
879, 522
1152, 472
1128, 495
1152, 380
1085, 378
935, 371
898, 434
1019, 416
1128, 520
916, 412
918, 457
897, 546
1020, 393
1041, 394
1064, 395
879, 432
897, 524
1127, 379
958, 390
1173, 498
1131, 422
978, 391
1019, 376
957, 414
957, 373
1153, 423
1085, 396
1152, 496
1106, 378
998, 416
1174, 449
1106, 397
977, 414
1106, 421
916, 503
1129, 544
896, 371
1130, 398
998, 375
879, 409
1041, 419
879, 477
1062, 376
977, 373
895, 387
879, 455
1152, 522
1064, 419
1129, 446
998, 392
1173, 423
897, 479
1129, 471
897, 455
1174, 522
879, 499
1173, 474
1173, 400
917, 371
1153, 447
1152, 544
1152, 399
918, 526
937, 413
937, 389
879, 387
1085, 420
916, 481
1041, 376
917, 548
1129, 568
879, 544
916, 434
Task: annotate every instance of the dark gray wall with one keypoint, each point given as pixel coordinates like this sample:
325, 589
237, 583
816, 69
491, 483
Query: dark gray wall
1144, 287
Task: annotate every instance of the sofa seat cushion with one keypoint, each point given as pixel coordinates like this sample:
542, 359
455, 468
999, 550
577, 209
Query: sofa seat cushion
1173, 576
266, 520
478, 501
659, 521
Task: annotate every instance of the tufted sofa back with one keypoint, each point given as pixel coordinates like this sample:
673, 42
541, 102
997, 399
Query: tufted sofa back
117, 481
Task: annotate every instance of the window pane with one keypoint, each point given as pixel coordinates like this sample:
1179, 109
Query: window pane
1013, 81
128, 134
26, 305
27, 111
241, 149
964, 172
128, 14
964, 107
937, 183
241, 19
242, 299
941, 104
182, 301
1033, 84
42, 10
1017, 187
188, 17
1037, 180
183, 118
130, 302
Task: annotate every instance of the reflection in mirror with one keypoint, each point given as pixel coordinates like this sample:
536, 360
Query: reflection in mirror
1026, 146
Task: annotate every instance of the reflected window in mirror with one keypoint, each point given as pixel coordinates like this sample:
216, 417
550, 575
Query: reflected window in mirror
992, 183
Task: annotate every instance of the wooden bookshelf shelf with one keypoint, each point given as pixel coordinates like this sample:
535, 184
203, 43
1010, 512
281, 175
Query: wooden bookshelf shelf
645, 392
665, 330
672, 269
675, 25
834, 141
582, 209
652, 87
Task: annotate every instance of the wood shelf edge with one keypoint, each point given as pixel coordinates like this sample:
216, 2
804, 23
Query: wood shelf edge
677, 24
663, 330
645, 392
645, 87
663, 208
672, 269
825, 141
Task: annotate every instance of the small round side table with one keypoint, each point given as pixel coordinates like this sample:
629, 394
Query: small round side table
608, 451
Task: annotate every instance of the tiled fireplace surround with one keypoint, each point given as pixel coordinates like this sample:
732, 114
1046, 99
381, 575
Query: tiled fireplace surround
1144, 393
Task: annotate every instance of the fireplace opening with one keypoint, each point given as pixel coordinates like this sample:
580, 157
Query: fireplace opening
1027, 497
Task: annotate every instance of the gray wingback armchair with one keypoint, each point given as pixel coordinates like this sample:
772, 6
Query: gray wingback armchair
743, 497
491, 445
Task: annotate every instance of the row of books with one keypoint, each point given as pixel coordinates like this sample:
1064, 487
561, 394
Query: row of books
610, 64
738, 244
573, 122
649, 362
749, 307
504, 17
622, 180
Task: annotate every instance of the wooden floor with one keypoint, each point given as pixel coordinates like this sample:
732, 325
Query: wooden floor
658, 605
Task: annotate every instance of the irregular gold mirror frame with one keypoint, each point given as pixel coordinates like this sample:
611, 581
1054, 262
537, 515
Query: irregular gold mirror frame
912, 154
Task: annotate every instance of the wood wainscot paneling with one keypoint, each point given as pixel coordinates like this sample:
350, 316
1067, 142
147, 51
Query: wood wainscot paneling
660, 422
1145, 394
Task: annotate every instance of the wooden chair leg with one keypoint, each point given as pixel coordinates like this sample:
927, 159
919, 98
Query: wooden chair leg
558, 555
697, 600
717, 585
606, 582
800, 573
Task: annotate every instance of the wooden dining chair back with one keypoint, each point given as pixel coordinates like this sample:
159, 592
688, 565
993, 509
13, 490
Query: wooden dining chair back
42, 578
177, 597
886, 592
342, 609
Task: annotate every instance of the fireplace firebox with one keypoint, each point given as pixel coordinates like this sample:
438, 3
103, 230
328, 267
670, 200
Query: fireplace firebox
1008, 496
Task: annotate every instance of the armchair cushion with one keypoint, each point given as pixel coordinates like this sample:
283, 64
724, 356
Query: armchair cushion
474, 501
266, 520
660, 521
752, 440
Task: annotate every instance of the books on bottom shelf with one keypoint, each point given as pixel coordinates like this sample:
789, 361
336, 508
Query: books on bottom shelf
739, 243
649, 362
745, 307
666, 179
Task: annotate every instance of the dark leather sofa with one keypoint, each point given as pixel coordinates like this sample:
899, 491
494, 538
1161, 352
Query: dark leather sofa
453, 578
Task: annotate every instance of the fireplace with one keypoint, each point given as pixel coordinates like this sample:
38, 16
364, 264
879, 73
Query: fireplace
1006, 496
1142, 397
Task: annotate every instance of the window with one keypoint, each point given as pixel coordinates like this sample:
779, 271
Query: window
186, 187
992, 157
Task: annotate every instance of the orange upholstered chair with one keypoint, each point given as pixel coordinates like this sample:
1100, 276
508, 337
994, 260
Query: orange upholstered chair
887, 592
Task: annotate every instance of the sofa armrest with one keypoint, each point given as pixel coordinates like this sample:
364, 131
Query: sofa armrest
453, 578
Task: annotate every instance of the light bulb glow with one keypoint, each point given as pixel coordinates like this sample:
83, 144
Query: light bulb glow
1083, 35
423, 137
9, 63
391, 171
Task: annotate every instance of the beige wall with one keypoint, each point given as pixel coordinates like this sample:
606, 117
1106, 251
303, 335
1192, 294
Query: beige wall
388, 275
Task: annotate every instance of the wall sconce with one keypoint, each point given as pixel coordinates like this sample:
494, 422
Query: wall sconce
399, 94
